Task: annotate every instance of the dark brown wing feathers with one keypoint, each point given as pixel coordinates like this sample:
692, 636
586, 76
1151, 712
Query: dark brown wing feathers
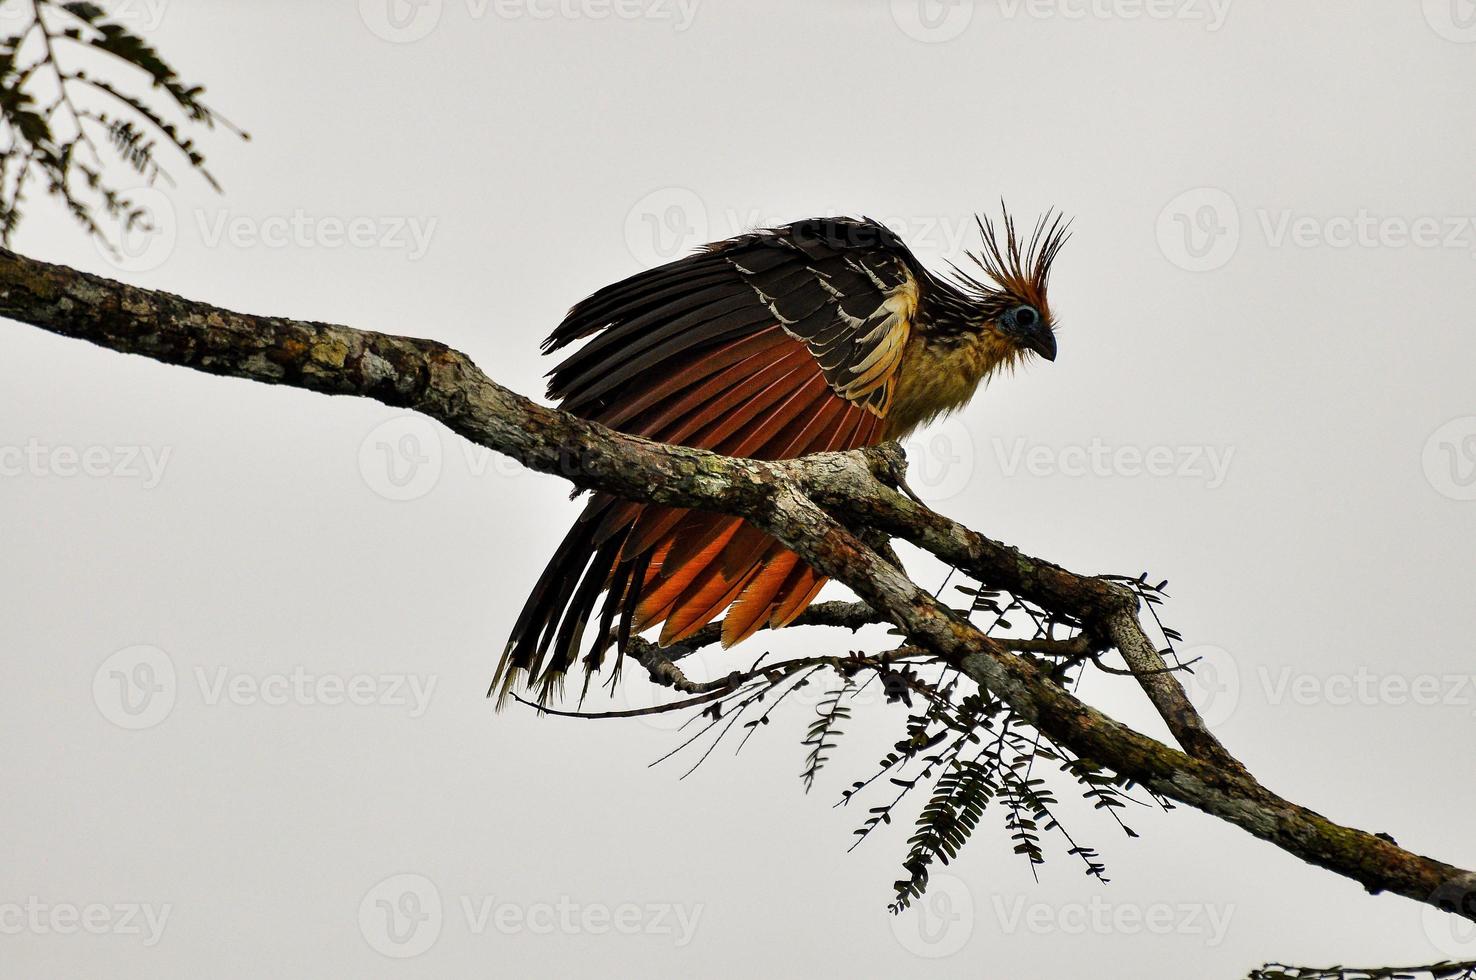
769, 346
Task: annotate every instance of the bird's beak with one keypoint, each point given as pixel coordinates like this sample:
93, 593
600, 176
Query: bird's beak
1041, 339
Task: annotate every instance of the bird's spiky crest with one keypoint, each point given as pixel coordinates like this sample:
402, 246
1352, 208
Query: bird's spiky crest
1021, 269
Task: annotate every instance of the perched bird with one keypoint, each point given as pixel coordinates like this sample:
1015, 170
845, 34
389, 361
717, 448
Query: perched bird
825, 334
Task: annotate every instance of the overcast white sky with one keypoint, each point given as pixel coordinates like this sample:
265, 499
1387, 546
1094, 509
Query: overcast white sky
1264, 394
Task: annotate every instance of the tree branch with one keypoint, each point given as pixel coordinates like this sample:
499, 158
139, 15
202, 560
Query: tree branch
1444, 970
797, 501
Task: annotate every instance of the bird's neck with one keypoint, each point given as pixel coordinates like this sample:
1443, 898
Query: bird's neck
940, 373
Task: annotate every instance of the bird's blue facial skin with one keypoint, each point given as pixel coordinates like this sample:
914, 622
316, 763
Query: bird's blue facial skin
1022, 318
1029, 330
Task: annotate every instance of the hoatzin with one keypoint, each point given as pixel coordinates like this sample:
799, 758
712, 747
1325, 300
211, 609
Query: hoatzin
825, 334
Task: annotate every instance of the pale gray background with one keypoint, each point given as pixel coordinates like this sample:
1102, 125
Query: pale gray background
556, 154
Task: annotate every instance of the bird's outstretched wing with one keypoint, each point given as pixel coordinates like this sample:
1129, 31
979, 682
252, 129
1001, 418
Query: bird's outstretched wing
771, 345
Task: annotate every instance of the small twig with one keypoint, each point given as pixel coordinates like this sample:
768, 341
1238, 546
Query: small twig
1165, 669
622, 713
1080, 645
666, 673
1444, 970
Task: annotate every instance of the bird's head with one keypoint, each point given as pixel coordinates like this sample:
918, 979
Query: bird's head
1009, 306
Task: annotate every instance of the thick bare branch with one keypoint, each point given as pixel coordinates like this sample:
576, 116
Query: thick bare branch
798, 501
1105, 609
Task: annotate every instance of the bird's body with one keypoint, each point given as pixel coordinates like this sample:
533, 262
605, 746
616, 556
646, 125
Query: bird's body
825, 334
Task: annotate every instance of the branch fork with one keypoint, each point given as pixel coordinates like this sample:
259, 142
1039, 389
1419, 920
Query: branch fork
832, 509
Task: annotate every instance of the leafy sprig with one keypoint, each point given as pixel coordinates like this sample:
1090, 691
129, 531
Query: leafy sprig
66, 128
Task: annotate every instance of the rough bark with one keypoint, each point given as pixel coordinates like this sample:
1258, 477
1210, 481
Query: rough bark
811, 505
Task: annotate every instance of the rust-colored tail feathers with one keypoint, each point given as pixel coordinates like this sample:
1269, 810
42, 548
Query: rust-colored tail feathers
742, 349
678, 568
